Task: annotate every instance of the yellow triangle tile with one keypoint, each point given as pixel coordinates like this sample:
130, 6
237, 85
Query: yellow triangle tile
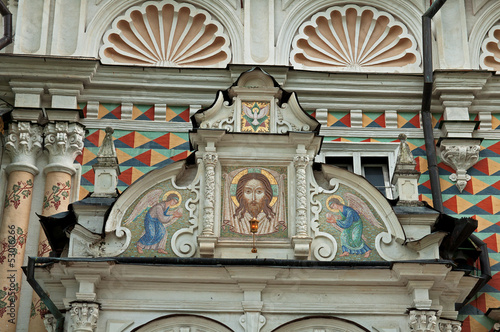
330, 120
493, 166
445, 184
87, 156
478, 185
170, 114
140, 139
401, 121
496, 204
492, 261
494, 122
122, 156
156, 157
422, 163
366, 120
82, 193
136, 174
175, 141
462, 205
102, 111
482, 223
412, 146
476, 326
136, 112
344, 139
492, 302
426, 199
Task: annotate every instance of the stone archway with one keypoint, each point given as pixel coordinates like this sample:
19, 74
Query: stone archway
324, 324
180, 323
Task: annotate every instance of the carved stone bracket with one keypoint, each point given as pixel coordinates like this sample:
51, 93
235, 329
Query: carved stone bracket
422, 321
84, 316
496, 327
50, 323
210, 160
23, 142
446, 325
460, 155
64, 141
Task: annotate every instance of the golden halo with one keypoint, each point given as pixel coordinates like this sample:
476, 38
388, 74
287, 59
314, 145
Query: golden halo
173, 192
341, 200
269, 176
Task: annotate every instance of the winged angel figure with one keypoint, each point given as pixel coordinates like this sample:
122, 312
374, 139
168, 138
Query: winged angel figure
346, 219
256, 113
161, 214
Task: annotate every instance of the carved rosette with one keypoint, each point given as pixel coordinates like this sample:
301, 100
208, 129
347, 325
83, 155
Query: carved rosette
23, 142
50, 323
460, 156
64, 141
210, 161
490, 50
422, 321
84, 316
450, 326
300, 162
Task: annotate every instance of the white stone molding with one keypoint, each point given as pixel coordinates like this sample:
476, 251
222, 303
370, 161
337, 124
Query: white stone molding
490, 50
92, 110
183, 323
210, 161
34, 17
460, 155
323, 324
446, 325
406, 11
219, 116
148, 35
160, 112
380, 43
356, 118
391, 119
84, 316
23, 142
50, 322
322, 116
485, 119
300, 162
258, 30
64, 141
422, 321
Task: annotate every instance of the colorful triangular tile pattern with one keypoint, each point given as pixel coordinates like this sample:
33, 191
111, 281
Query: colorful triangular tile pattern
373, 120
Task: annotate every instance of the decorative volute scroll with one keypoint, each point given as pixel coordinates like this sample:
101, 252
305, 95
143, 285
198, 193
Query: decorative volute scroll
446, 325
355, 38
460, 155
64, 141
84, 316
166, 34
490, 50
422, 321
23, 142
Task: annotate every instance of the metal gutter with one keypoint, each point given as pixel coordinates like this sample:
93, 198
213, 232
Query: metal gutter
29, 271
430, 146
7, 25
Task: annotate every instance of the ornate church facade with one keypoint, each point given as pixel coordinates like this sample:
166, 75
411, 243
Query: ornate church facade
253, 165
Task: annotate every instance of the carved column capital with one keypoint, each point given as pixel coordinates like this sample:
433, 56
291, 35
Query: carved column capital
50, 323
84, 316
210, 159
301, 161
460, 155
422, 321
64, 141
446, 325
23, 141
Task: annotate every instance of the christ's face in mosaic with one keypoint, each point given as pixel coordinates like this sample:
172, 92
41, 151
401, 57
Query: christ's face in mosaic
253, 196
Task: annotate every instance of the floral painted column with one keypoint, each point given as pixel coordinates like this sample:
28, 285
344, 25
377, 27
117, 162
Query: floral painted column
22, 142
64, 142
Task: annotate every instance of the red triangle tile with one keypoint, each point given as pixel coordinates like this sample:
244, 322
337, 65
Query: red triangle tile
185, 115
150, 113
144, 157
427, 184
85, 111
163, 140
381, 121
90, 176
128, 139
451, 204
94, 138
346, 120
313, 114
79, 158
446, 167
480, 302
496, 185
181, 156
492, 244
126, 176
495, 148
486, 204
482, 166
495, 280
337, 140
415, 121
117, 112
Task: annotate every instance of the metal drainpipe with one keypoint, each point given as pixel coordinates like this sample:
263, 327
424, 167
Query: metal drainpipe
7, 25
430, 146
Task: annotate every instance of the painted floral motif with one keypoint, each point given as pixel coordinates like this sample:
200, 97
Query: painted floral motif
60, 192
44, 248
38, 308
9, 293
20, 190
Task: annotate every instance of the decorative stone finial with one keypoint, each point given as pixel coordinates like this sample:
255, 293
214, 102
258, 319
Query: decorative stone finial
405, 157
405, 179
106, 169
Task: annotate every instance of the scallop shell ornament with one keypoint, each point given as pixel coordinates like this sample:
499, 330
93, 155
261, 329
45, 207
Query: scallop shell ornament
355, 38
490, 56
166, 34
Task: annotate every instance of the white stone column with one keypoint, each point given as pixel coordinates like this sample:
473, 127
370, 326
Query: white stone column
301, 240
84, 316
207, 238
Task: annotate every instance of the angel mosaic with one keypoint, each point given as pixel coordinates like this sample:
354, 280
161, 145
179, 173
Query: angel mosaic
255, 117
254, 193
346, 219
162, 211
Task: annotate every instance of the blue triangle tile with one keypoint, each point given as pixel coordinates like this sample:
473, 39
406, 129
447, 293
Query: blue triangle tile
424, 190
475, 172
339, 124
120, 145
489, 154
469, 309
373, 125
489, 289
151, 146
475, 210
121, 183
110, 116
183, 146
418, 152
489, 191
492, 229
453, 190
177, 119
408, 125
134, 163
85, 182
